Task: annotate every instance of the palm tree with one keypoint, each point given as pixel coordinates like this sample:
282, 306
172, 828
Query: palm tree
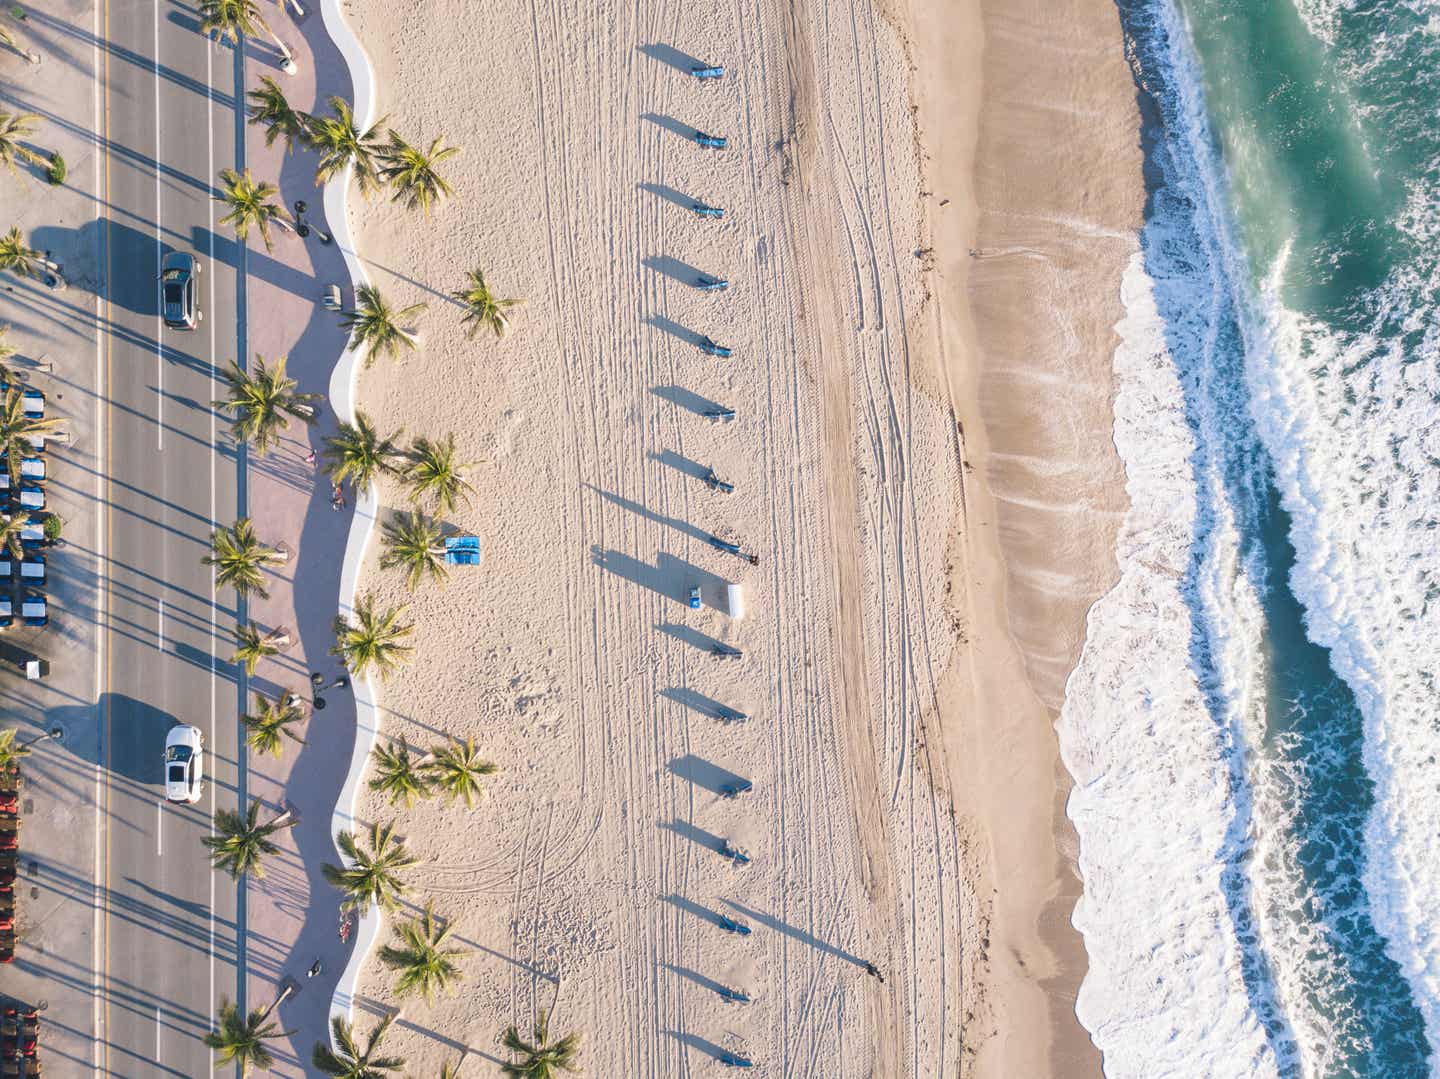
230, 19
359, 454
425, 965
13, 128
269, 106
482, 308
239, 556
272, 720
251, 646
375, 327
415, 544
250, 204
540, 1059
340, 142
398, 775
263, 403
368, 638
458, 769
19, 433
412, 173
18, 256
241, 1039
12, 529
373, 875
352, 1062
240, 843
434, 473
10, 750
6, 351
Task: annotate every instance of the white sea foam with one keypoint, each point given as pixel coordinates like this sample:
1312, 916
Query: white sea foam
1155, 804
1205, 958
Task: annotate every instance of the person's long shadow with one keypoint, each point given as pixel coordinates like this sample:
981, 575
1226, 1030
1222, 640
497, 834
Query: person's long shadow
800, 935
683, 527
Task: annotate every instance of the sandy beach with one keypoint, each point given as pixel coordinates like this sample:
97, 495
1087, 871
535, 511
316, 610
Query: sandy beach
921, 459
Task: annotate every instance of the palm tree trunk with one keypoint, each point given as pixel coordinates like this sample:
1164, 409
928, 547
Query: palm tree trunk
285, 993
288, 66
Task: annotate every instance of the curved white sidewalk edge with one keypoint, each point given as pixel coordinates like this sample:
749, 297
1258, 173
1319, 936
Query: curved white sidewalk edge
342, 400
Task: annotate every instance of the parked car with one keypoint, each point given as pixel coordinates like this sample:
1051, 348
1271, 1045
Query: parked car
178, 303
184, 764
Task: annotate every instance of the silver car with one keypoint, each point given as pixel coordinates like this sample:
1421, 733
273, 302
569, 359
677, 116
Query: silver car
178, 292
184, 764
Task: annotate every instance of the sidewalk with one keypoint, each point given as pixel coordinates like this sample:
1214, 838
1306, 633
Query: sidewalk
56, 894
293, 913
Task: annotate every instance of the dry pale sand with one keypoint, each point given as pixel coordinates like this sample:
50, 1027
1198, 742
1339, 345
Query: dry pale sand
906, 778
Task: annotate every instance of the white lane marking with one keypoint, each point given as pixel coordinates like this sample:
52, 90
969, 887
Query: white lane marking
159, 829
159, 253
210, 229
160, 625
101, 394
157, 1034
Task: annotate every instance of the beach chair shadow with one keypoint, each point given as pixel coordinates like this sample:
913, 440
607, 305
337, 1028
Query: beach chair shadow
674, 329
670, 56
703, 773
698, 702
669, 194
695, 976
686, 399
693, 637
672, 125
666, 266
682, 464
694, 1041
705, 914
697, 835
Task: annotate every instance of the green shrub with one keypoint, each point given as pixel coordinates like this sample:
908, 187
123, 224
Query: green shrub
56, 173
53, 525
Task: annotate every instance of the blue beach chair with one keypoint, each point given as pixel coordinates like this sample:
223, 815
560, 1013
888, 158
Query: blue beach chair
710, 348
706, 283
715, 483
719, 415
710, 142
707, 72
703, 210
462, 550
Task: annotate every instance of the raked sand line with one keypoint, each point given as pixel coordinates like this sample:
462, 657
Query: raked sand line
362, 524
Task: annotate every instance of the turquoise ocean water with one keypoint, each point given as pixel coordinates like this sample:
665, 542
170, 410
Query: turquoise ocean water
1255, 722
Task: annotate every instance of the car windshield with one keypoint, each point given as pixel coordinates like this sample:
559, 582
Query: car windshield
172, 275
177, 753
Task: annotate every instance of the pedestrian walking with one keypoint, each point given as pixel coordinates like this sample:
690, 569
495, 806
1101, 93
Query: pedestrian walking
874, 972
315, 968
310, 458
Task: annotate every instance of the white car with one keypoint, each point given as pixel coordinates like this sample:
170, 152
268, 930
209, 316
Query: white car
184, 764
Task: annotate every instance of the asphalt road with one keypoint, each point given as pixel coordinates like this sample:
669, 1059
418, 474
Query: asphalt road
169, 937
